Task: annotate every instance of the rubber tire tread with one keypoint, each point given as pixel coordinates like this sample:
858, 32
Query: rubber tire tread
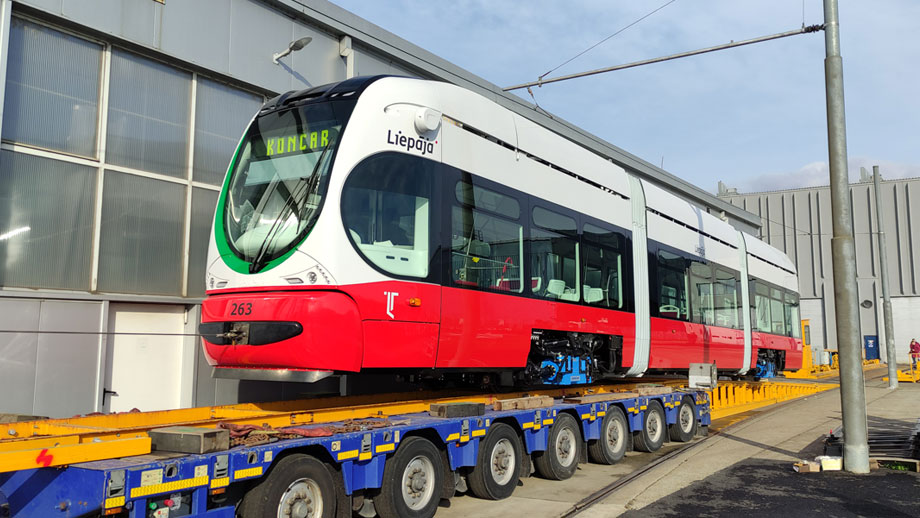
674, 431
262, 500
641, 439
546, 463
597, 449
480, 478
389, 501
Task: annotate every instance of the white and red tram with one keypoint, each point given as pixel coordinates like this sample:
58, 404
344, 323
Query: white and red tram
395, 223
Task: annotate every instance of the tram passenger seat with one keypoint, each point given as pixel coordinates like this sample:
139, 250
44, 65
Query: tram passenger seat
593, 294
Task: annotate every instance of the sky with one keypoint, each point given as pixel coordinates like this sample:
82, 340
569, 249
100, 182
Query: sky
753, 117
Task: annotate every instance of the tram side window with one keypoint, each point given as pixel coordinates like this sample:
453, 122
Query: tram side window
486, 251
725, 299
763, 322
672, 286
701, 300
777, 312
602, 267
793, 318
554, 256
386, 205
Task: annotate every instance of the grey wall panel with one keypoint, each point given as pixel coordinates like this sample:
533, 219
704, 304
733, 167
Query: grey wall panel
67, 366
316, 64
257, 33
199, 32
52, 6
912, 192
18, 352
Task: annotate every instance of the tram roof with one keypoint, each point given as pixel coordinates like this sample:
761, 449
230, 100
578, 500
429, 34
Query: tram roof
429, 66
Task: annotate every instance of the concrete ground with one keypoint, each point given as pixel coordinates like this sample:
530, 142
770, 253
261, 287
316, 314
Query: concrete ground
745, 468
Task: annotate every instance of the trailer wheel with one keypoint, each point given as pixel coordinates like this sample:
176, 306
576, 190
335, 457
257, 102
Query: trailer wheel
563, 449
498, 468
611, 447
298, 485
411, 481
685, 427
651, 437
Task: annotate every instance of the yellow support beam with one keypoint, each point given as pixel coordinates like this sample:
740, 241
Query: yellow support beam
62, 454
735, 397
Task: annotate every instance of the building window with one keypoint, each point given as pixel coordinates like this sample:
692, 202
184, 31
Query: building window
148, 115
142, 235
221, 115
52, 90
46, 222
202, 216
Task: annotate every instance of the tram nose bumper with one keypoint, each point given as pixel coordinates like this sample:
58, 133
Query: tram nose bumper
303, 329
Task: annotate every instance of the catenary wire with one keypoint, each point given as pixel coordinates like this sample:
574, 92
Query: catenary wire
576, 56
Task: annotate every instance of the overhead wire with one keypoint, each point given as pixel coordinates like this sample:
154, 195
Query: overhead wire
576, 56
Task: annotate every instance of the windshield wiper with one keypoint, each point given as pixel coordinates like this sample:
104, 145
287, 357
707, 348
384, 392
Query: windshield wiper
296, 200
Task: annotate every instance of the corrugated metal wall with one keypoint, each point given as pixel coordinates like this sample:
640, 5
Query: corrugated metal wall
798, 222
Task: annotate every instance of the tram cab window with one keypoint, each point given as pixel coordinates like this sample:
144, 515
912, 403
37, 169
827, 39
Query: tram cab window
793, 318
726, 299
672, 286
386, 209
554, 256
602, 267
486, 249
701, 300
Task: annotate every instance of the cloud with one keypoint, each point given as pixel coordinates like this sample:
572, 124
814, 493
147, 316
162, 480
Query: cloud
817, 174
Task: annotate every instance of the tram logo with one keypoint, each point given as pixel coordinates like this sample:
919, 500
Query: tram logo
391, 297
421, 144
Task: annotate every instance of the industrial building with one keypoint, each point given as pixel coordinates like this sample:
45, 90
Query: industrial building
798, 221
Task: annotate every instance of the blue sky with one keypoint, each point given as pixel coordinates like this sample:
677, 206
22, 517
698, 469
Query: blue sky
753, 117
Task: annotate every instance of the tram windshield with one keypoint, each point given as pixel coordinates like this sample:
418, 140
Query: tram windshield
278, 180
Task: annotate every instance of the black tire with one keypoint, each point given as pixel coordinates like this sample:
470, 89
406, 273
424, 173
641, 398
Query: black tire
652, 435
498, 467
296, 481
686, 426
611, 446
411, 481
563, 449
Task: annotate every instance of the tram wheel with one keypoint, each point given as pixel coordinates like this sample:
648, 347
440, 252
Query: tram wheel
611, 446
297, 485
498, 467
651, 437
411, 481
685, 427
563, 449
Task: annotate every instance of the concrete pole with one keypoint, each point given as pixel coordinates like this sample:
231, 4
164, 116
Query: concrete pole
843, 250
886, 297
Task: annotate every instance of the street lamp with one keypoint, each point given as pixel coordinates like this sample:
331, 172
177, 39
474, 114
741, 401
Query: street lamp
294, 45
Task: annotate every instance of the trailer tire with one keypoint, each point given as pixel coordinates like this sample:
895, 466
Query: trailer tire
498, 467
611, 446
686, 426
563, 449
297, 482
652, 435
411, 481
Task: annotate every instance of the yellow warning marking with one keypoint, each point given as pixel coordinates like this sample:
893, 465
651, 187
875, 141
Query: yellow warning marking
365, 456
351, 454
220, 482
464, 438
547, 422
478, 433
453, 437
601, 414
249, 472
643, 407
118, 501
175, 485
527, 425
383, 448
